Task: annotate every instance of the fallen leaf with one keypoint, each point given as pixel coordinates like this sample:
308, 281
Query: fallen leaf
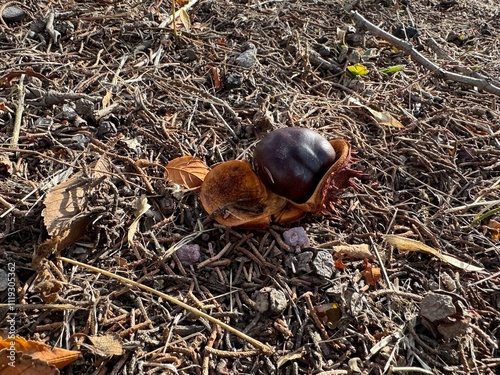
339, 265
106, 99
383, 118
24, 364
62, 204
494, 228
406, 244
216, 76
358, 69
142, 206
370, 273
57, 356
64, 201
188, 171
360, 251
392, 69
61, 241
329, 313
107, 345
64, 215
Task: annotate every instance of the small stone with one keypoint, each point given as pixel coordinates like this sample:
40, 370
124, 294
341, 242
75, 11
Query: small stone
323, 264
296, 238
13, 14
248, 58
189, 55
233, 81
189, 254
68, 112
304, 262
270, 300
404, 33
435, 307
85, 108
4, 280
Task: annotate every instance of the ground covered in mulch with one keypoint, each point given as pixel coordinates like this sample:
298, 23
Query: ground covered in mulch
111, 83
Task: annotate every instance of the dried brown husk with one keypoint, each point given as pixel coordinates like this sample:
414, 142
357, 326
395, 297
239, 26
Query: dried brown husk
337, 178
234, 194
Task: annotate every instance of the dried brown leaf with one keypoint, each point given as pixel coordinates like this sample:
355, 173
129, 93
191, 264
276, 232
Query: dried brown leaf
186, 21
187, 171
142, 206
57, 356
406, 244
64, 202
383, 118
107, 345
357, 251
24, 364
5, 165
106, 99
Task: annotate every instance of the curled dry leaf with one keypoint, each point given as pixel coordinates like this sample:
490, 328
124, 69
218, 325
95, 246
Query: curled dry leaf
142, 206
64, 215
370, 273
187, 171
235, 195
383, 118
356, 251
24, 364
106, 345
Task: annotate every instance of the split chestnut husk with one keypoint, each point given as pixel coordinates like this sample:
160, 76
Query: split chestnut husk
234, 194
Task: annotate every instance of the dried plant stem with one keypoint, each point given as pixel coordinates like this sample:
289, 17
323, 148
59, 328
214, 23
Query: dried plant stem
410, 369
19, 114
263, 347
406, 47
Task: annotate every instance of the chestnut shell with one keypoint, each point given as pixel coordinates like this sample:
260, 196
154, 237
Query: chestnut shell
236, 197
292, 161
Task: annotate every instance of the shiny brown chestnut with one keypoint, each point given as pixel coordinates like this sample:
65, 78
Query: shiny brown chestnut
292, 161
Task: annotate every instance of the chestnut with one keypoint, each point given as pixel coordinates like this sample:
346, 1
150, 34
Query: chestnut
292, 161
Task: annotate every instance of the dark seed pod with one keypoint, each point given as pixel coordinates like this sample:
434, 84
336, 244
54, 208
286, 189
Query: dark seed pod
292, 161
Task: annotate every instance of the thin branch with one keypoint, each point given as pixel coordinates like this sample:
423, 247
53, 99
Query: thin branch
263, 347
483, 84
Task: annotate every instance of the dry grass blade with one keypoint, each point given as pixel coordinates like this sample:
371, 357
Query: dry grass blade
407, 244
265, 349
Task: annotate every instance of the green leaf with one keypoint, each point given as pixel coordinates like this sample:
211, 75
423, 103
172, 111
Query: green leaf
370, 54
358, 69
392, 69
